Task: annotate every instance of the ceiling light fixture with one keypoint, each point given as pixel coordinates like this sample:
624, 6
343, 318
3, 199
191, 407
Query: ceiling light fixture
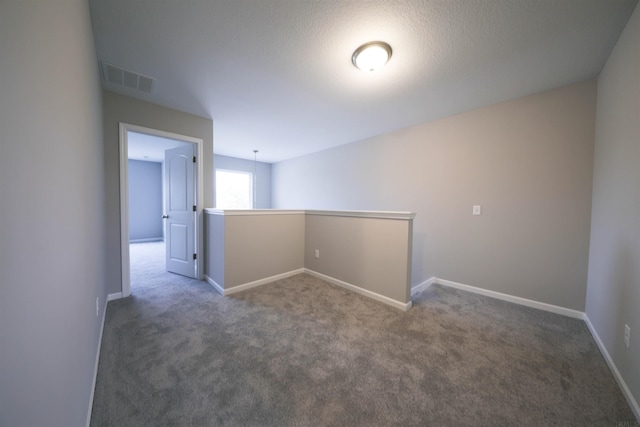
371, 56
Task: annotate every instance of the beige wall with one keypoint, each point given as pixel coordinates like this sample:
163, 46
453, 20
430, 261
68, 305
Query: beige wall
261, 246
52, 255
118, 108
367, 252
370, 253
528, 162
252, 246
613, 292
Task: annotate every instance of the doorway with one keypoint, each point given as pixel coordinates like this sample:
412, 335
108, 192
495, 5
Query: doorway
150, 145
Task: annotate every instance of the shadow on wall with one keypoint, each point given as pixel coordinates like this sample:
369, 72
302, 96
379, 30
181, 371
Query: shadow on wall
624, 277
417, 258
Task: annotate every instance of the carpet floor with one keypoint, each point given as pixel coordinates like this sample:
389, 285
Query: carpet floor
303, 352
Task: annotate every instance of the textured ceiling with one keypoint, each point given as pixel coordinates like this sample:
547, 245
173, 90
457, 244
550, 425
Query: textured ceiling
277, 75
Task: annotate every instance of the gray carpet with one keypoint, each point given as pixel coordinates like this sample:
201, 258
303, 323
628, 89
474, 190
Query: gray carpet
148, 261
302, 352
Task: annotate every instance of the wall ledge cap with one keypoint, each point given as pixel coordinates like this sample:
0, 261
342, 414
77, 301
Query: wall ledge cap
247, 212
357, 214
366, 214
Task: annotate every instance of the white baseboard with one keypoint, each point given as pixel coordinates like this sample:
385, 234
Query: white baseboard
510, 298
95, 368
397, 304
256, 283
152, 239
614, 369
214, 284
116, 295
349, 286
424, 285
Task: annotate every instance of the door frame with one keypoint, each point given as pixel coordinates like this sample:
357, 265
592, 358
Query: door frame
125, 128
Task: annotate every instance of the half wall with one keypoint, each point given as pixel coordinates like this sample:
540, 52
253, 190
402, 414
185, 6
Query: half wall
365, 251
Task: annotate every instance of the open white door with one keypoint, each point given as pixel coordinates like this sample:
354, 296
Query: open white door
180, 210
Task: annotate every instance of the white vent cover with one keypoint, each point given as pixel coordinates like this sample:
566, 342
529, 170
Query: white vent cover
118, 75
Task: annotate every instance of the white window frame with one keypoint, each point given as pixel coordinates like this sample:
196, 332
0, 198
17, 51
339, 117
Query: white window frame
251, 185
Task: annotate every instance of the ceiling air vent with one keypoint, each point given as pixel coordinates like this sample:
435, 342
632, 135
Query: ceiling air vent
120, 76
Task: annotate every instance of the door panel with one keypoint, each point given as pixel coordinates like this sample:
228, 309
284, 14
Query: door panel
178, 169
179, 213
179, 245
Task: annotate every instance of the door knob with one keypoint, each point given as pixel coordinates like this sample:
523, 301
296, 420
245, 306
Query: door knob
165, 216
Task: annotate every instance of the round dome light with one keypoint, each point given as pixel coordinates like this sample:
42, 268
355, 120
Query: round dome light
371, 56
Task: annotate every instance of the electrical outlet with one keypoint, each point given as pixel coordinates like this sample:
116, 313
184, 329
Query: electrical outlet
477, 209
627, 335
97, 306
317, 253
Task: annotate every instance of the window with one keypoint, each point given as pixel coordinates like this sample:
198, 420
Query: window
234, 190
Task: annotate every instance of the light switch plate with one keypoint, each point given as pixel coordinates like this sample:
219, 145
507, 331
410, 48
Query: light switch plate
477, 209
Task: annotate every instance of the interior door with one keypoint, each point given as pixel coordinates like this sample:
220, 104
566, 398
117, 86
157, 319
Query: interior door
179, 210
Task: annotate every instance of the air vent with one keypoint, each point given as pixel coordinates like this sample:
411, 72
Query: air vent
120, 76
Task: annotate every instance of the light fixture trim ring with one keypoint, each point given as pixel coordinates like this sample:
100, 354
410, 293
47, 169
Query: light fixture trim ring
359, 50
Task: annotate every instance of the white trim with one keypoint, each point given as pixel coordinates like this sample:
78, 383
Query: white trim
614, 369
239, 288
151, 239
95, 368
510, 298
251, 183
124, 128
396, 304
366, 214
247, 212
114, 296
125, 273
214, 284
357, 214
256, 283
424, 285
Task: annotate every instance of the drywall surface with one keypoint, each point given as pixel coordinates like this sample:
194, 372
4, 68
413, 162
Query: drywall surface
527, 162
261, 246
214, 244
52, 256
613, 291
145, 200
117, 109
370, 253
367, 252
261, 170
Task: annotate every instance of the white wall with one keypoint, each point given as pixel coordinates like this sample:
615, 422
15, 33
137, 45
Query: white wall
613, 291
528, 162
263, 173
52, 253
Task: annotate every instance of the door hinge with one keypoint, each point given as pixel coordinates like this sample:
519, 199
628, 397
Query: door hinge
195, 256
194, 159
194, 208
